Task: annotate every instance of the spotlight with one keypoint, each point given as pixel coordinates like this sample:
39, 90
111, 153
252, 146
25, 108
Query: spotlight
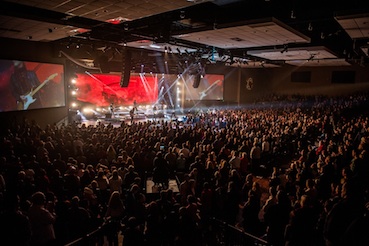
170, 49
166, 49
182, 14
142, 68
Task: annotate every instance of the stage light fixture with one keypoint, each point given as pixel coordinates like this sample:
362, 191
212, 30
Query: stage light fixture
311, 57
285, 48
231, 60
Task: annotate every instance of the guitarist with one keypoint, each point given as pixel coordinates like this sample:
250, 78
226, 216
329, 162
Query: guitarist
25, 85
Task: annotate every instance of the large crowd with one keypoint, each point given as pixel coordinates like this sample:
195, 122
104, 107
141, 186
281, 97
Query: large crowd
293, 170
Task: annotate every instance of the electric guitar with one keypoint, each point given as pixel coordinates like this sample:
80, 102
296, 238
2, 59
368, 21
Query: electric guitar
204, 93
28, 99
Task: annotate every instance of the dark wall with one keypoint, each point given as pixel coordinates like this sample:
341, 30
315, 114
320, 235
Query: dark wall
261, 78
321, 80
38, 52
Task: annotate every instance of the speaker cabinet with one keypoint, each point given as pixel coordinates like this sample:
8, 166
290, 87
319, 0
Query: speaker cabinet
126, 69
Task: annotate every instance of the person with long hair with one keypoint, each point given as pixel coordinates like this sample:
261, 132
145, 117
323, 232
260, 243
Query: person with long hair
114, 214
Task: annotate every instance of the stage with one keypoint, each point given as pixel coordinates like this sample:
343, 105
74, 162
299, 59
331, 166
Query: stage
115, 117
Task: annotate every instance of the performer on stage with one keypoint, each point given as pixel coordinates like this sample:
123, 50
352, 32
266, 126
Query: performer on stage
134, 105
154, 109
111, 109
132, 114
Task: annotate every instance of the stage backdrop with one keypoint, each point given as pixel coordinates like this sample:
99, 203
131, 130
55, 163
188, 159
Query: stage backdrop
104, 89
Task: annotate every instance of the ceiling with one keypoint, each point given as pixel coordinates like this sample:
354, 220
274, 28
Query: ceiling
245, 33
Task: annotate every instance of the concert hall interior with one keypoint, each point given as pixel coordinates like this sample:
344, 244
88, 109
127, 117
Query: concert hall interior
199, 122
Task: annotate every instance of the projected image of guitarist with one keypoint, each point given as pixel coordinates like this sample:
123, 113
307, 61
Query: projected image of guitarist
26, 85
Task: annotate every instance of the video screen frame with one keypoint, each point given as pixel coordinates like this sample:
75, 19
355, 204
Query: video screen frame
27, 85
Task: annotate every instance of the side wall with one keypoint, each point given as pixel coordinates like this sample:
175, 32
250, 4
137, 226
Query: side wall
320, 81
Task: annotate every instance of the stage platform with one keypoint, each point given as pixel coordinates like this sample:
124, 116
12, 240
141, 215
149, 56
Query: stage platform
117, 120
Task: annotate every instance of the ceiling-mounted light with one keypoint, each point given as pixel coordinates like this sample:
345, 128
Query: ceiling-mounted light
182, 14
322, 35
231, 59
166, 49
285, 48
310, 27
293, 16
179, 51
311, 57
155, 46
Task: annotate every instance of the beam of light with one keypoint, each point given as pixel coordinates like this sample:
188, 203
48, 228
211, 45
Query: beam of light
101, 83
167, 91
166, 67
145, 83
160, 96
188, 91
161, 81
